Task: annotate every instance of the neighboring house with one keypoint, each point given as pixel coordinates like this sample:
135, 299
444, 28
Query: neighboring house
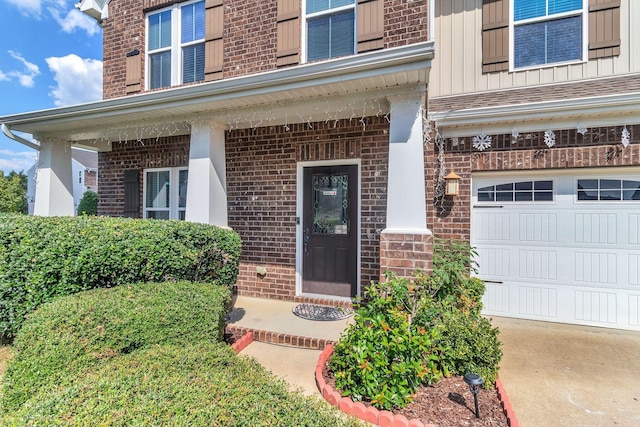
321, 131
84, 167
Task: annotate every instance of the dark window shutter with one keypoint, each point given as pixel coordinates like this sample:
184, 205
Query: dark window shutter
370, 25
288, 43
213, 41
495, 35
133, 73
604, 28
132, 193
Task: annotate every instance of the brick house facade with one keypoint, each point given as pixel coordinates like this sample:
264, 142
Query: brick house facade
266, 125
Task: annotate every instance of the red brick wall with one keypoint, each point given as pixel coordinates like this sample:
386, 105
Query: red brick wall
261, 192
250, 31
452, 219
149, 153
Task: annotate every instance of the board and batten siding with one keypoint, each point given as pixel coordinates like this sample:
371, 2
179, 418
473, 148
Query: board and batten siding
458, 65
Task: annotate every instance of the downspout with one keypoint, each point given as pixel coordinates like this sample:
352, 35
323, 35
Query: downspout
9, 134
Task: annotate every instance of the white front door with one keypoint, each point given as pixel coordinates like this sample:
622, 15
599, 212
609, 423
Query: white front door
560, 246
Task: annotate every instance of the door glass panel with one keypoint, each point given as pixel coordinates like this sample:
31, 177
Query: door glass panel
331, 204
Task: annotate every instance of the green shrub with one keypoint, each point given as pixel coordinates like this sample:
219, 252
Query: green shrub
386, 354
42, 258
411, 332
74, 333
88, 205
142, 355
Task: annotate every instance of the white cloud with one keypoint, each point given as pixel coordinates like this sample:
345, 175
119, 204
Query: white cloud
62, 11
17, 160
26, 76
78, 80
75, 20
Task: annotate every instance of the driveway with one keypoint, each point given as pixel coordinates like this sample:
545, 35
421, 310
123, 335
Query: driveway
566, 375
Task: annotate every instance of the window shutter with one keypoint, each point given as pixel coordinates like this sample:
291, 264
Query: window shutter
495, 35
214, 47
133, 73
604, 28
288, 44
370, 25
132, 193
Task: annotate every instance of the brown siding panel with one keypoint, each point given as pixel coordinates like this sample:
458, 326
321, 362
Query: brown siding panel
133, 79
214, 45
370, 25
604, 28
495, 35
288, 44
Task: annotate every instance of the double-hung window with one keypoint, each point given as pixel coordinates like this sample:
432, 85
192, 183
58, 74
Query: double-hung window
175, 45
330, 28
165, 193
548, 32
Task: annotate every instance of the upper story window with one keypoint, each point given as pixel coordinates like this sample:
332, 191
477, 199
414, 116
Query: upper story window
330, 28
175, 45
165, 193
548, 32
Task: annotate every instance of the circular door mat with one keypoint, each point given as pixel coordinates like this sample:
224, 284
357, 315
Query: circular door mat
321, 312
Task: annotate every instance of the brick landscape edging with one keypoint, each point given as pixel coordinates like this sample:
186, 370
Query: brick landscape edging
386, 418
243, 342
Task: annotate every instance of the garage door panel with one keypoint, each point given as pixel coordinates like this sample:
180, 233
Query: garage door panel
538, 302
538, 227
634, 229
596, 268
566, 259
598, 307
537, 264
596, 228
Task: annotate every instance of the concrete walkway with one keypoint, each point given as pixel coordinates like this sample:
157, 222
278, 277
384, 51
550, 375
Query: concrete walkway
554, 374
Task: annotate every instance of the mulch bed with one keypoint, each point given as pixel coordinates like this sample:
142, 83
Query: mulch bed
448, 403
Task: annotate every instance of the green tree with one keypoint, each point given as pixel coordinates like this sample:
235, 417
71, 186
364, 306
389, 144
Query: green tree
13, 192
88, 204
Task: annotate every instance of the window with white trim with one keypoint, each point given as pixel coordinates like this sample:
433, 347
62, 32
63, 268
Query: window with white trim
330, 28
522, 191
175, 45
548, 32
608, 190
165, 193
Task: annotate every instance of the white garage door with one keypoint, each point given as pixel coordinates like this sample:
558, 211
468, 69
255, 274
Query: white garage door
560, 246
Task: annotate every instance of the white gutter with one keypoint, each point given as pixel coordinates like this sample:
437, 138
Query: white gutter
18, 138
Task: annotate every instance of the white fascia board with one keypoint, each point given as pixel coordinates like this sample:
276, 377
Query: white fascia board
592, 111
97, 9
361, 66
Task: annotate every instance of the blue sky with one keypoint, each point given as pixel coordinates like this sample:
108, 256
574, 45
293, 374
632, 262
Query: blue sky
50, 56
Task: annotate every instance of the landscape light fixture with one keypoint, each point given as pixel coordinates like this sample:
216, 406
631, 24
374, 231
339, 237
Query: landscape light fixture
475, 382
452, 187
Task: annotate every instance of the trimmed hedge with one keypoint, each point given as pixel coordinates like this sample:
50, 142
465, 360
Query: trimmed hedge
144, 354
42, 258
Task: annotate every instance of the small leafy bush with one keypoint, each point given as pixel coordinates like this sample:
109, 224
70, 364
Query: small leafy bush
385, 354
88, 205
45, 257
412, 332
141, 355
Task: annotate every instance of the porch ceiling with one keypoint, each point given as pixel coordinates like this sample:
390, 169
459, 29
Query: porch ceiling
328, 90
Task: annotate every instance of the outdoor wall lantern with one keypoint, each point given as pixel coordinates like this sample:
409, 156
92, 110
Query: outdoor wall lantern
475, 382
452, 181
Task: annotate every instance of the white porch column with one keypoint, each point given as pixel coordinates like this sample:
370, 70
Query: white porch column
207, 188
406, 204
54, 181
